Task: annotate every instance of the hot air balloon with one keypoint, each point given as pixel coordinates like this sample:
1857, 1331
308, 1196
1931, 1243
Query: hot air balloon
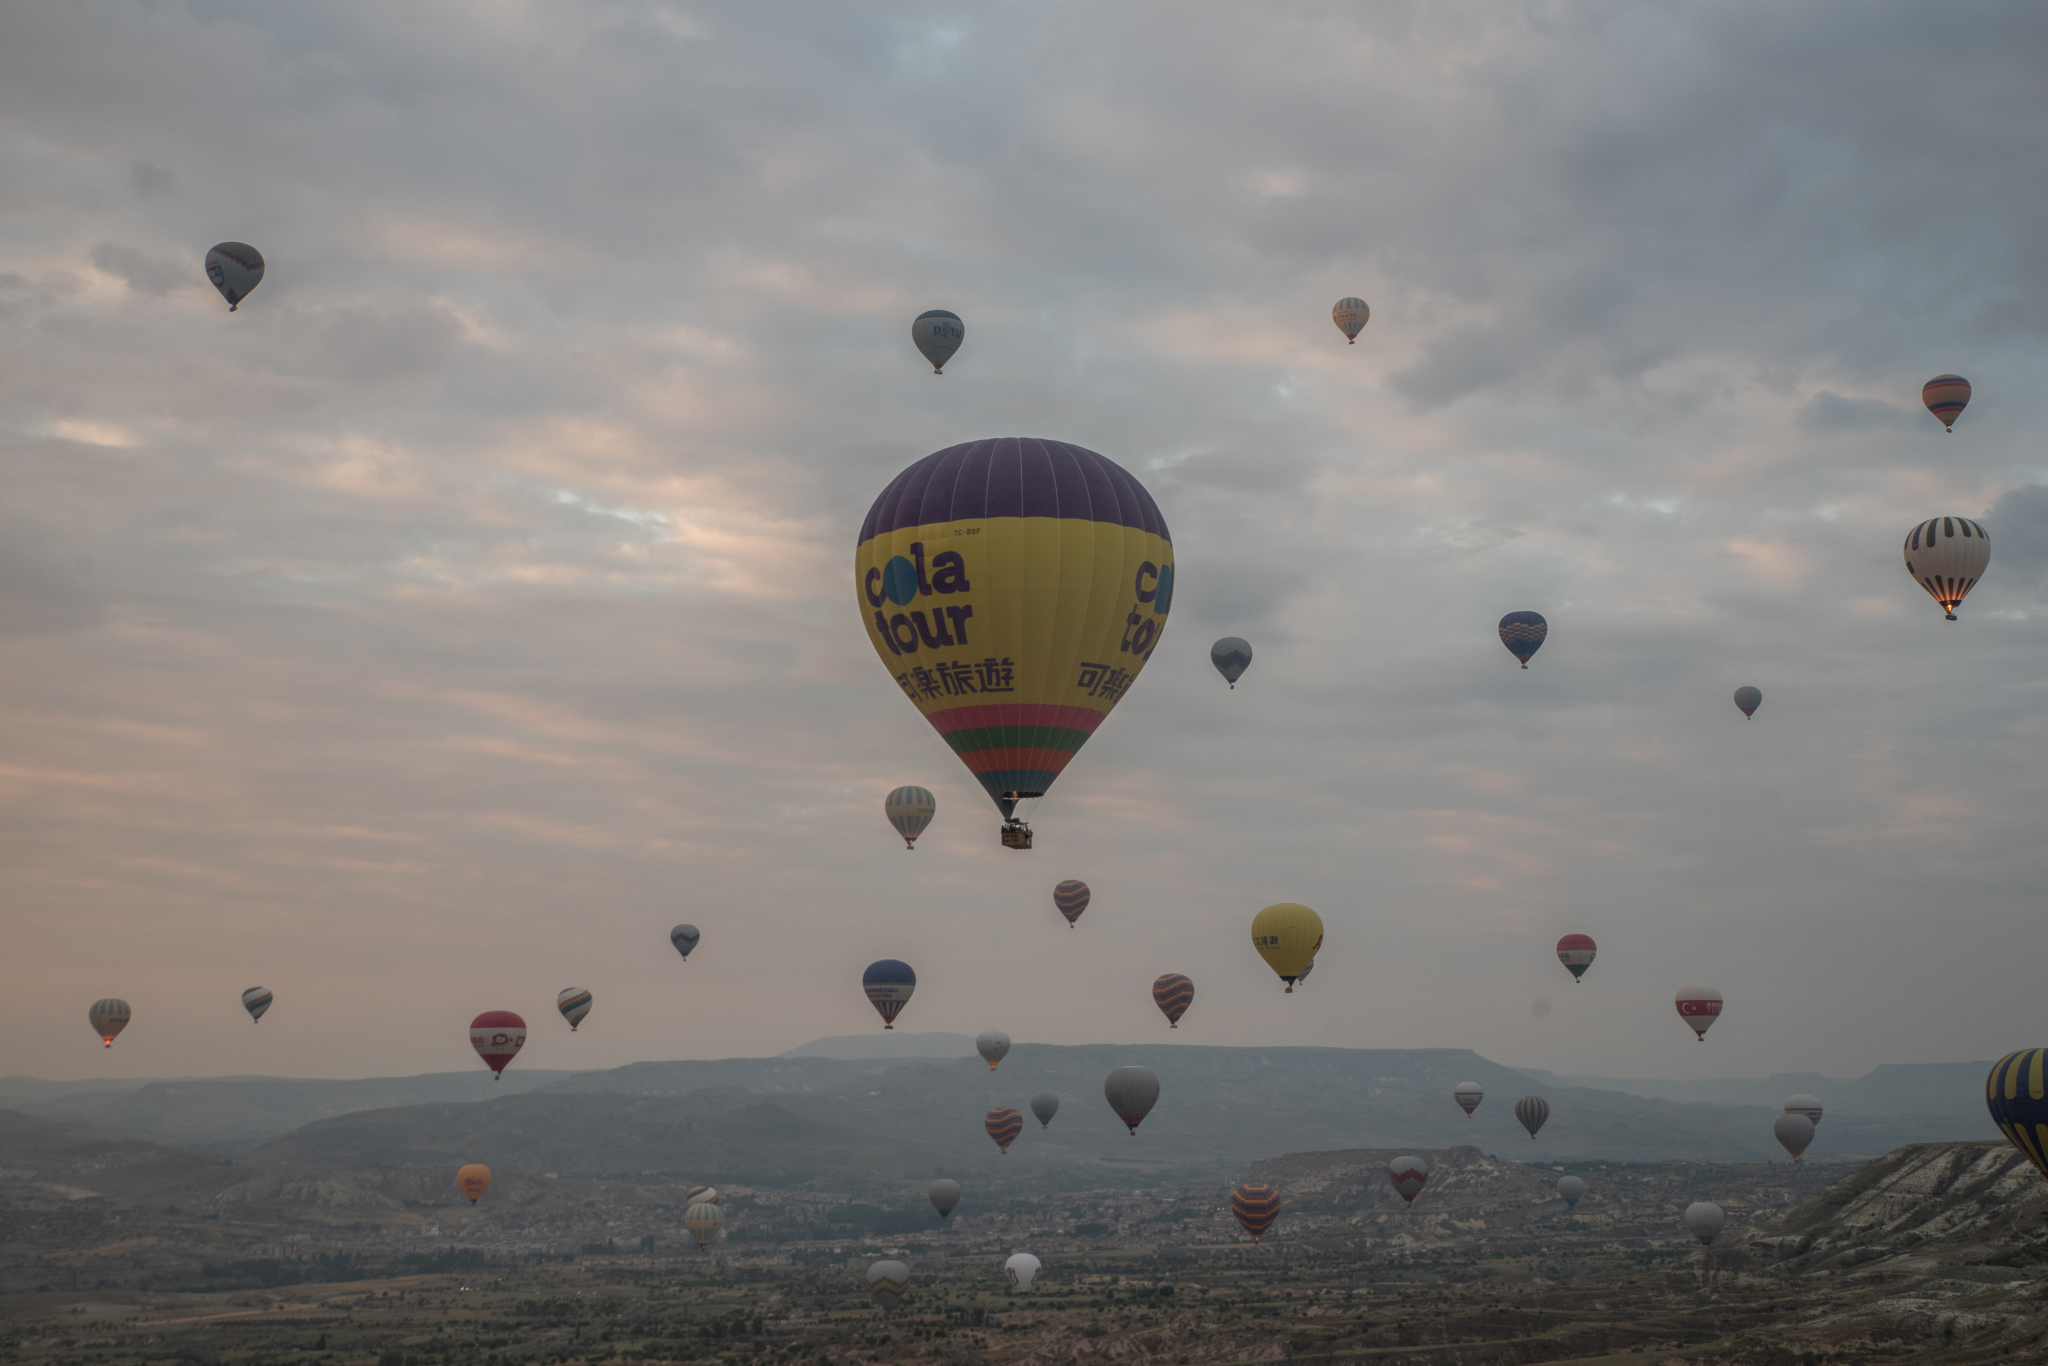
944, 1196
1699, 1007
574, 1003
1350, 314
1173, 993
1288, 936
1003, 1125
685, 938
1946, 556
1015, 589
1071, 897
1571, 1190
1045, 1105
1022, 1269
992, 1044
1532, 1111
888, 983
703, 1219
1523, 633
1131, 1092
701, 1195
1749, 699
1231, 655
497, 1036
1468, 1095
1794, 1132
1946, 396
2017, 1094
475, 1179
888, 1282
1408, 1175
1576, 952
910, 810
109, 1017
1256, 1206
256, 1000
938, 334
1804, 1105
1704, 1218
235, 268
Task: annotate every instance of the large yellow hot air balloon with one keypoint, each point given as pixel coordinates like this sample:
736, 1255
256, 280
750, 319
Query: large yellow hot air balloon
1014, 588
1287, 935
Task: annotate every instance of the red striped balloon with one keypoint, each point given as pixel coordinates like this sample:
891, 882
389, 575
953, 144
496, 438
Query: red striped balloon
497, 1036
1256, 1206
1172, 993
1003, 1126
1946, 396
1576, 952
1071, 897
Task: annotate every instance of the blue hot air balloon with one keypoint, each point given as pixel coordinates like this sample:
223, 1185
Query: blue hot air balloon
888, 983
1522, 633
2017, 1093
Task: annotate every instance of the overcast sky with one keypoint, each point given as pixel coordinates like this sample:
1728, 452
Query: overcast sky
436, 631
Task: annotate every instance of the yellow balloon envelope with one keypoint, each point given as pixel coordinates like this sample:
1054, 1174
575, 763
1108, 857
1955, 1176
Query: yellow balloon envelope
1014, 589
475, 1179
1287, 935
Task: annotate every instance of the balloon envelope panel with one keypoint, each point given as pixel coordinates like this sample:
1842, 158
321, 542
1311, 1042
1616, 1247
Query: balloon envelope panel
1014, 589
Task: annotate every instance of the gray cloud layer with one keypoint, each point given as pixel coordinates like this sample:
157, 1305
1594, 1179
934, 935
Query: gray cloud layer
437, 630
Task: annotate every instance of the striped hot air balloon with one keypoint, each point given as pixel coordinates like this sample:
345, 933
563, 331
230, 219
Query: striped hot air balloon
1699, 1007
1523, 633
1946, 556
703, 1219
1946, 396
1173, 993
1532, 1111
1003, 1125
1014, 589
1468, 1095
574, 1003
2016, 1091
109, 1017
910, 810
888, 983
1256, 1206
497, 1036
256, 1000
1576, 952
1803, 1104
1351, 315
1071, 897
1408, 1175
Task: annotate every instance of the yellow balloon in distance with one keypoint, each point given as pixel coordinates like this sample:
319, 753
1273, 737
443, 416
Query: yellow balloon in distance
475, 1179
1287, 935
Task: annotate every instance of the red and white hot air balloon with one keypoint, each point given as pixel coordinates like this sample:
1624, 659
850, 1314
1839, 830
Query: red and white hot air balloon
1576, 952
1699, 1007
497, 1036
1408, 1175
1468, 1095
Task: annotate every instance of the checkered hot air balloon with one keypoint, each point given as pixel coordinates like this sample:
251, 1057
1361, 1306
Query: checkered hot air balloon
1003, 1125
1173, 993
1946, 396
1071, 897
1014, 589
1256, 1206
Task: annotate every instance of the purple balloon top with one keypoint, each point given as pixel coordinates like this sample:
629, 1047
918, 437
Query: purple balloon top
1013, 476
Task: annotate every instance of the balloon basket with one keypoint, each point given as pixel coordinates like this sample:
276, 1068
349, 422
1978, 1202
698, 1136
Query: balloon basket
1016, 835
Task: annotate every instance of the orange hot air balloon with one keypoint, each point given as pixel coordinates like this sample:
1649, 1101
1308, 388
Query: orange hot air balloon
475, 1179
1003, 1125
1256, 1206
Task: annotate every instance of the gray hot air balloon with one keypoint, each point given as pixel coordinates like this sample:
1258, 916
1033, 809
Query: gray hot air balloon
1794, 1131
685, 938
938, 334
235, 268
1231, 655
1045, 1105
992, 1044
1571, 1190
1704, 1218
1022, 1269
1532, 1111
1131, 1092
1749, 699
887, 1282
1803, 1104
945, 1194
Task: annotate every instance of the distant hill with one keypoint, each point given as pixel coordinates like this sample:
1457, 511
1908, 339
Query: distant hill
1953, 1089
872, 1047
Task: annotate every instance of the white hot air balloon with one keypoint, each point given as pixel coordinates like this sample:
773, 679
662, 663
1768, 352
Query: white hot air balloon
1571, 1190
235, 268
888, 1281
1794, 1132
1946, 556
574, 1003
1351, 314
256, 1000
992, 1044
1022, 1269
938, 334
1705, 1219
1408, 1175
1803, 1104
1468, 1095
